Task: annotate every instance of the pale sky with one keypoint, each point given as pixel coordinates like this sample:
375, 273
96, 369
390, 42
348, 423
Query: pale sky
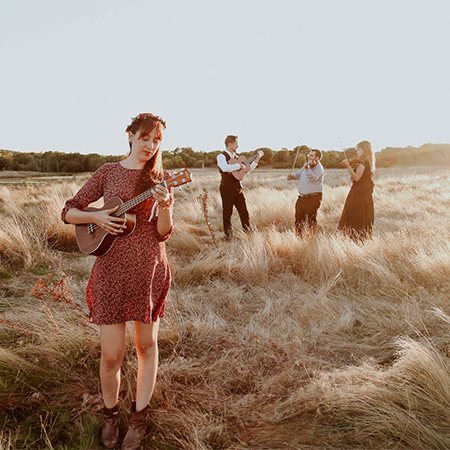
276, 73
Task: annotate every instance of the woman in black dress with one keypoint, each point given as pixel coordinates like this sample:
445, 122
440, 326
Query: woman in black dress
358, 214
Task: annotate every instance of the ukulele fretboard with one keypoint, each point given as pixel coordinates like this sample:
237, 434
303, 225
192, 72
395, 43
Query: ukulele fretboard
130, 204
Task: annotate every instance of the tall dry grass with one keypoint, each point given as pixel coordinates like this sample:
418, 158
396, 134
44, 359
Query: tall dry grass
270, 342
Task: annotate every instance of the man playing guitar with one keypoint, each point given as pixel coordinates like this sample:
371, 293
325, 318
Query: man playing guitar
230, 187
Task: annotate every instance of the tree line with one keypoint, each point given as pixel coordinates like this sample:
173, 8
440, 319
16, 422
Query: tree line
59, 162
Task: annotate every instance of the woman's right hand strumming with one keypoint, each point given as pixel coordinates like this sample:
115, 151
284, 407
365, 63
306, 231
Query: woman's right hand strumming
102, 218
111, 224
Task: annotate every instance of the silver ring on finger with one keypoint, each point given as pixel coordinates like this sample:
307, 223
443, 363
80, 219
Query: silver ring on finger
110, 224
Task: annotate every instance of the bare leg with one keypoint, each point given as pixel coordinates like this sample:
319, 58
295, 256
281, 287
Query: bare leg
112, 338
147, 353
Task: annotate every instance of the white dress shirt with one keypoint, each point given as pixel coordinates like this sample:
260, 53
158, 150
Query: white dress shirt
225, 167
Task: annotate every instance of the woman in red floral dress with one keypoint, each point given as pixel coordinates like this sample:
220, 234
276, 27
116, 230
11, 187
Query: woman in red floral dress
132, 280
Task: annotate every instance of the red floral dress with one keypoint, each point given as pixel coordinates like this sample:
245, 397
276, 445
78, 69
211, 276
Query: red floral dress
130, 282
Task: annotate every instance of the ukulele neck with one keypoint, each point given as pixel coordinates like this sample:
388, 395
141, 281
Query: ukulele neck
132, 203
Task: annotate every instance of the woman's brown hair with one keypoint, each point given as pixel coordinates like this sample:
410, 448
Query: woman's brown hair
366, 147
153, 172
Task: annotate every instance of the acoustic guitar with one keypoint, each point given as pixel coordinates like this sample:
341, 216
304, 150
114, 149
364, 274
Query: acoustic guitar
239, 174
94, 240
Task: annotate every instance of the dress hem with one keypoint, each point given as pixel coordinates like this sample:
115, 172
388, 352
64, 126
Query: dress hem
127, 320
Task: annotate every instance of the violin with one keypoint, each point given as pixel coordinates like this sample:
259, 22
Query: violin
352, 160
311, 164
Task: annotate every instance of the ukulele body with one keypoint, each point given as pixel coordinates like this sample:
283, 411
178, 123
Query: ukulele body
95, 240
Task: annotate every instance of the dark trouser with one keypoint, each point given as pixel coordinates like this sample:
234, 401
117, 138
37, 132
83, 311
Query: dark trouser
233, 197
306, 212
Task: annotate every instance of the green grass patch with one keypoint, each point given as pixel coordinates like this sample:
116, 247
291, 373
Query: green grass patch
5, 275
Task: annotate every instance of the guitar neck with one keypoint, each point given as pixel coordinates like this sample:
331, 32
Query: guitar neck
250, 160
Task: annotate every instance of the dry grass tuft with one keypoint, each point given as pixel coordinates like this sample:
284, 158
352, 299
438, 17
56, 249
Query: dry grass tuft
270, 342
402, 406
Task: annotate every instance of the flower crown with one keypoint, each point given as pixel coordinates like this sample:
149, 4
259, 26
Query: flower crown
143, 116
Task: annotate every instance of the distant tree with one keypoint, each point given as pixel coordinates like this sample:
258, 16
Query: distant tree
178, 162
267, 159
211, 158
281, 158
189, 156
73, 167
4, 163
22, 158
53, 161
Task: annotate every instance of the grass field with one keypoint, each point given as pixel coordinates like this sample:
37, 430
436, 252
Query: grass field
269, 342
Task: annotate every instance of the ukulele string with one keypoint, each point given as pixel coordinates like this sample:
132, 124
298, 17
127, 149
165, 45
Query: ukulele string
128, 205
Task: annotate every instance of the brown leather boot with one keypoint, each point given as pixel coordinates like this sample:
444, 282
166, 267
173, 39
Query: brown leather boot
110, 430
136, 428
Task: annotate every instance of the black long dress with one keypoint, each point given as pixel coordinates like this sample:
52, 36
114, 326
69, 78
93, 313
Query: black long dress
358, 214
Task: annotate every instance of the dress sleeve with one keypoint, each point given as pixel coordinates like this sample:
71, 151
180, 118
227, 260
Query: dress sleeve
366, 164
155, 219
89, 193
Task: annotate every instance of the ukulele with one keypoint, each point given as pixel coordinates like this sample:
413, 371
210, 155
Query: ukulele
93, 240
239, 174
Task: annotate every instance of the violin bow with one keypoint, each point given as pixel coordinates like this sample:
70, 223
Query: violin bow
296, 156
345, 154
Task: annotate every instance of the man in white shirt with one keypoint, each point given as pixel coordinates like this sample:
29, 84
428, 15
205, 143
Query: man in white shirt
310, 189
230, 187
